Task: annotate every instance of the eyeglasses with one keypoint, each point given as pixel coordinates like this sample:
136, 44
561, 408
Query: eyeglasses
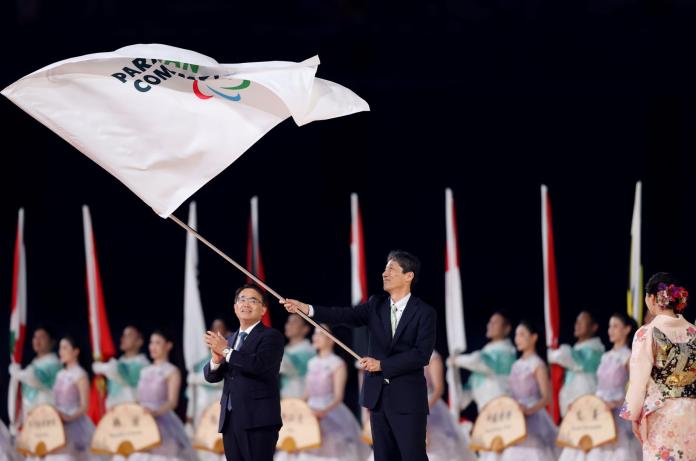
250, 301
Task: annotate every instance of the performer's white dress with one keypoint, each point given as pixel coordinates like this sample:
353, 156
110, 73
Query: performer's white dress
201, 394
340, 432
541, 432
7, 451
78, 433
612, 377
152, 394
580, 363
444, 438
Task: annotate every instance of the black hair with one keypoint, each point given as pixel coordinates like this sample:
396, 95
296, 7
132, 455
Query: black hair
628, 321
46, 329
505, 315
407, 261
592, 318
652, 287
70, 340
258, 289
137, 330
165, 333
534, 330
531, 328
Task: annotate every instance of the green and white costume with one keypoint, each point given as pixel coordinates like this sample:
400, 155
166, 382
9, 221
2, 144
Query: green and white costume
122, 376
580, 363
490, 371
37, 381
293, 369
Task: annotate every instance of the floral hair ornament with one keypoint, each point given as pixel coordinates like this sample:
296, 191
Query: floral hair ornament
667, 294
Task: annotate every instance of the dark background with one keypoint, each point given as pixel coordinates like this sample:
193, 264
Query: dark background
489, 97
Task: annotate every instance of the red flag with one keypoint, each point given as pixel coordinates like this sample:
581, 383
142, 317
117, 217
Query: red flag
254, 264
99, 332
18, 321
551, 304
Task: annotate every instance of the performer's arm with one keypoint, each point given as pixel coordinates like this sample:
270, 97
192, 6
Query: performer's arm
541, 374
640, 366
110, 370
437, 373
416, 358
27, 376
340, 376
83, 389
173, 388
563, 356
473, 362
267, 356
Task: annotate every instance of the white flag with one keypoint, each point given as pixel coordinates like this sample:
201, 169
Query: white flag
195, 349
165, 120
635, 289
18, 323
454, 306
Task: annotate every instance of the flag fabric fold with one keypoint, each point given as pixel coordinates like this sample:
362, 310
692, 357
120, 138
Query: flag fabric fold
551, 301
454, 305
254, 260
165, 120
99, 331
635, 287
18, 322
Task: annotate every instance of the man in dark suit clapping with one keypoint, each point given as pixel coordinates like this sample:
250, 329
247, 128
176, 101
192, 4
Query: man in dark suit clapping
401, 339
249, 362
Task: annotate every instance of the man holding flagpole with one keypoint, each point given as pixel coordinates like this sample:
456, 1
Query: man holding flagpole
401, 331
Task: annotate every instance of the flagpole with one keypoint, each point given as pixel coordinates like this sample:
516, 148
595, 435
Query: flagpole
260, 283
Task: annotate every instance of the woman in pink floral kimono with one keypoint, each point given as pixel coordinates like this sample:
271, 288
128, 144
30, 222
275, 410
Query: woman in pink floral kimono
661, 396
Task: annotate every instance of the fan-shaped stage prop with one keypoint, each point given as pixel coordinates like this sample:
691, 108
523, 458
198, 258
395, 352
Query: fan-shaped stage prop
125, 429
42, 432
500, 424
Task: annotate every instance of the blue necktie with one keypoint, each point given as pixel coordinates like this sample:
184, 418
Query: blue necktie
241, 337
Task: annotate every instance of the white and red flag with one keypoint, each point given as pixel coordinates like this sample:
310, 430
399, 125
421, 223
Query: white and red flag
99, 332
254, 260
358, 271
18, 323
552, 315
454, 304
166, 120
635, 287
195, 349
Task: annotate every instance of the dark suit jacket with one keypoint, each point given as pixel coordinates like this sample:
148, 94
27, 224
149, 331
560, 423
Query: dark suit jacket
402, 357
251, 379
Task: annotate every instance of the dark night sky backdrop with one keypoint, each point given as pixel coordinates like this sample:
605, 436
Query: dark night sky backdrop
491, 98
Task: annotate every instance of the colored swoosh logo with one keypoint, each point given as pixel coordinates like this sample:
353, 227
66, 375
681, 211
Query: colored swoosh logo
236, 97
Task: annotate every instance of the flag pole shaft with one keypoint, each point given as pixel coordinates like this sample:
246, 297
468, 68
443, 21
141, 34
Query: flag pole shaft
260, 283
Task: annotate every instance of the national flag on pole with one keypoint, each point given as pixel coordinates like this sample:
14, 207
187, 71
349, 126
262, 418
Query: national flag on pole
454, 305
18, 322
254, 261
99, 332
635, 287
358, 271
166, 120
195, 349
552, 315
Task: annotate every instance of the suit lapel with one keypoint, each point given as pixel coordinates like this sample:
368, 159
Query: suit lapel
406, 317
386, 318
253, 336
231, 339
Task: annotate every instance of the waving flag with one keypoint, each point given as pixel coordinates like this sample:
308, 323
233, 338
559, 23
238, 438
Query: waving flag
635, 289
166, 120
99, 332
552, 315
254, 261
18, 322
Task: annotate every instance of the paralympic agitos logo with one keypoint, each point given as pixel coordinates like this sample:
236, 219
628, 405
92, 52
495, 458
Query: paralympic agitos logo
147, 73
